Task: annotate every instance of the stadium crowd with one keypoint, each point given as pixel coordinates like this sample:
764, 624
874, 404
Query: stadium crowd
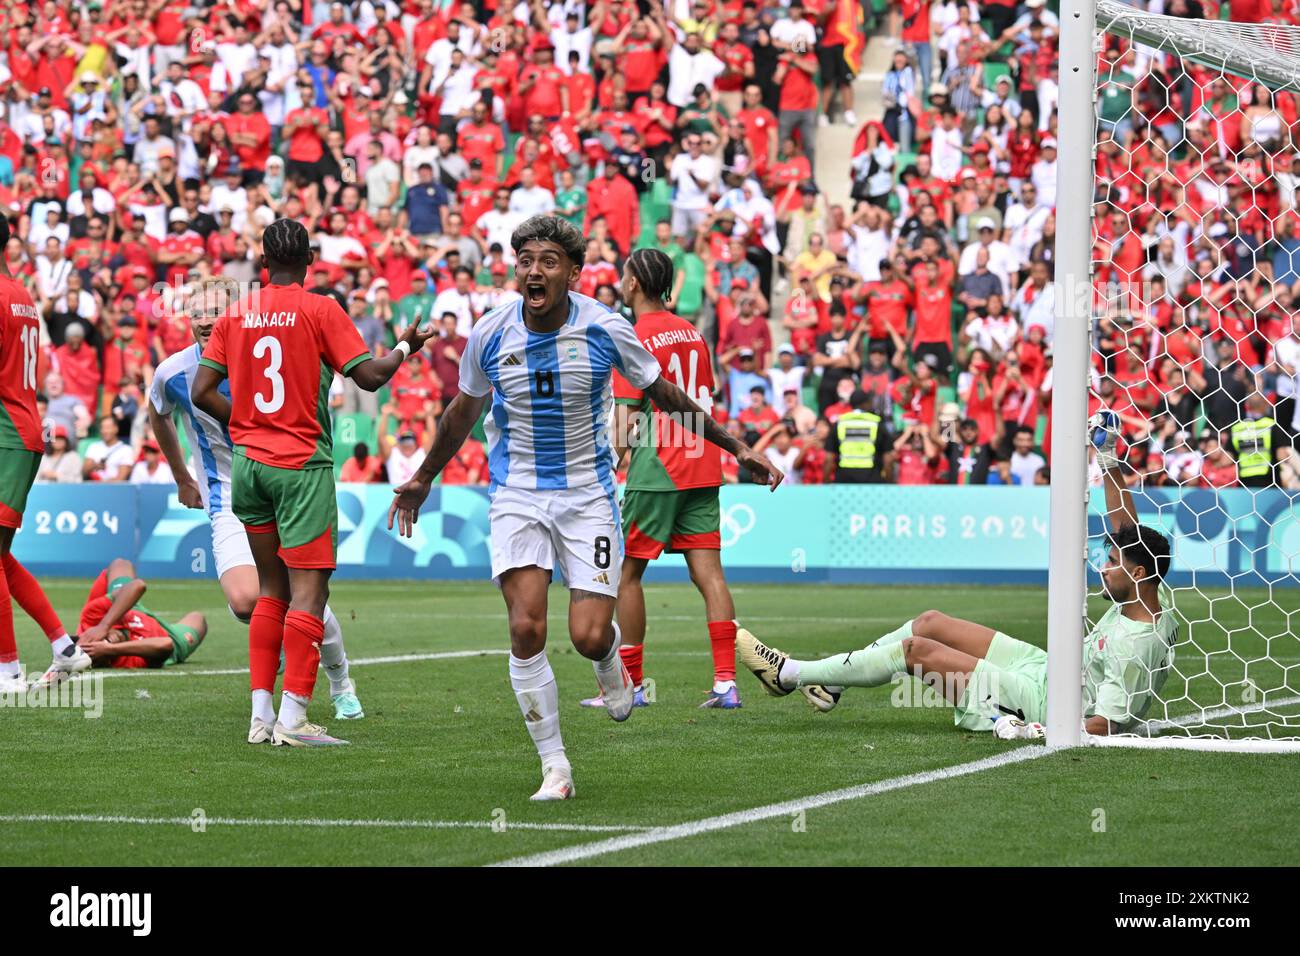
905, 335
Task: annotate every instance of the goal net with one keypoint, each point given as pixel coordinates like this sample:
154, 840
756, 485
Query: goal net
1194, 341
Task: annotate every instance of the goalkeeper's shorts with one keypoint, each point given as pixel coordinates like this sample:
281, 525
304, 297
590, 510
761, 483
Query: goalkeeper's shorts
1011, 679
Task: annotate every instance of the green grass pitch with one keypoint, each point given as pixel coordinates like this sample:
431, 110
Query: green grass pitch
443, 750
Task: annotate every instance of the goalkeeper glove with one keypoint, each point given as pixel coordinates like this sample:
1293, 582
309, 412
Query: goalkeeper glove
1103, 432
1013, 728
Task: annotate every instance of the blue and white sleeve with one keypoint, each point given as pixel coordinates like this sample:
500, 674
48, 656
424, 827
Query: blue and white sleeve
637, 363
158, 396
473, 379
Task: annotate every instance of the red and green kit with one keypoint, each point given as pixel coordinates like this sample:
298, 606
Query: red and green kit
280, 348
671, 499
21, 441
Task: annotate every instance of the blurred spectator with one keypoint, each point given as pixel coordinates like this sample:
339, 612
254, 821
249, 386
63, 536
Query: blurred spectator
63, 410
108, 459
918, 458
1257, 443
742, 380
468, 466
405, 459
968, 459
78, 364
361, 467
61, 463
1023, 464
151, 469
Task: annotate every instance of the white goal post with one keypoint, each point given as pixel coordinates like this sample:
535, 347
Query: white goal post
1230, 688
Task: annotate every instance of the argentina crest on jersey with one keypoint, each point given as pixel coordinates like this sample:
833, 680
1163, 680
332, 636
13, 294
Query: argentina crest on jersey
551, 393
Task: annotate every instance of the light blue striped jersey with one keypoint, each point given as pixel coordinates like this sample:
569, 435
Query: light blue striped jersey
209, 441
551, 395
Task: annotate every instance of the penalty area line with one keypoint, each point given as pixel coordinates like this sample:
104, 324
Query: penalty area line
503, 826
587, 851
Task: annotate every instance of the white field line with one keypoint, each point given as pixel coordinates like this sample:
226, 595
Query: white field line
741, 817
352, 662
318, 822
680, 831
1201, 717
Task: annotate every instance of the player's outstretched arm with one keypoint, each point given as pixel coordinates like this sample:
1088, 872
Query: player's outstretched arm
164, 430
1103, 430
123, 601
457, 422
374, 375
204, 394
671, 399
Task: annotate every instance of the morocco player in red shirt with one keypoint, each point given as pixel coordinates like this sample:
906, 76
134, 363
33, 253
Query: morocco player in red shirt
280, 347
671, 499
21, 447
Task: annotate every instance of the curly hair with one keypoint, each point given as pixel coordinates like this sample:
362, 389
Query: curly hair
550, 229
286, 241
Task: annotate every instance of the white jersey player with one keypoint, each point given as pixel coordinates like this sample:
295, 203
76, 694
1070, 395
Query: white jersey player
546, 360
211, 448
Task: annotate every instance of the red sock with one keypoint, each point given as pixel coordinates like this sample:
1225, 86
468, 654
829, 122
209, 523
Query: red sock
722, 637
31, 598
8, 645
265, 635
302, 636
631, 654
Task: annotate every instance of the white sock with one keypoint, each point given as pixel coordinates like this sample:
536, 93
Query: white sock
722, 686
333, 658
789, 675
11, 669
263, 706
60, 644
609, 667
539, 702
293, 709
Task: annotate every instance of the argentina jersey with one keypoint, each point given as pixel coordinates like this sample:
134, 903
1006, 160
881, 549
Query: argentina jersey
209, 441
551, 394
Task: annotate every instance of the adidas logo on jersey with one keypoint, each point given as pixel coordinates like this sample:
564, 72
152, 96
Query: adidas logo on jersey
512, 360
601, 578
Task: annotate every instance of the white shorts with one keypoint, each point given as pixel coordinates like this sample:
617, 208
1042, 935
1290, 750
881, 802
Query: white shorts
229, 543
577, 530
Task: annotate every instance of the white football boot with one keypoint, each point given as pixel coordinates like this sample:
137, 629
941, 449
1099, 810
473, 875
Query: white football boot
557, 784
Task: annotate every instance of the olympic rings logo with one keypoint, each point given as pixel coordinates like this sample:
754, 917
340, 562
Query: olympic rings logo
736, 522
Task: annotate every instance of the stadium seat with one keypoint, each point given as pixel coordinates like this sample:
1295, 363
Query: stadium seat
350, 429
993, 72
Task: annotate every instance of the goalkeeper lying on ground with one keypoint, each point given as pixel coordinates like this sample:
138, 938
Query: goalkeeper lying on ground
117, 631
996, 682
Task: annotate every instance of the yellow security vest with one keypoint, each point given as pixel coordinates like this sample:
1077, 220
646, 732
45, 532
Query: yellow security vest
857, 433
1254, 443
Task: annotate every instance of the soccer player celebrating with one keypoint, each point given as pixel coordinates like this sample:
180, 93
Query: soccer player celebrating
280, 346
116, 630
547, 360
208, 300
997, 683
671, 497
21, 447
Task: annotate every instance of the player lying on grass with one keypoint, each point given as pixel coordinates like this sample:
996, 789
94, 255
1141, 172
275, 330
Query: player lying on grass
118, 631
280, 346
209, 440
21, 447
546, 359
996, 682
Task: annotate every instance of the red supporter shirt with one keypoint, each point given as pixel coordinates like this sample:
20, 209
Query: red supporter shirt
799, 88
280, 360
671, 461
19, 349
475, 198
544, 96
255, 125
305, 145
468, 466
933, 306
887, 305
641, 62
481, 142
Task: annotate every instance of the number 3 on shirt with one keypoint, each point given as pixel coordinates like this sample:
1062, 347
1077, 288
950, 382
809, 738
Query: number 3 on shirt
269, 344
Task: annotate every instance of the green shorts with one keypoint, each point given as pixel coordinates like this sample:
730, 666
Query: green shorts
1011, 679
676, 520
18, 468
297, 504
